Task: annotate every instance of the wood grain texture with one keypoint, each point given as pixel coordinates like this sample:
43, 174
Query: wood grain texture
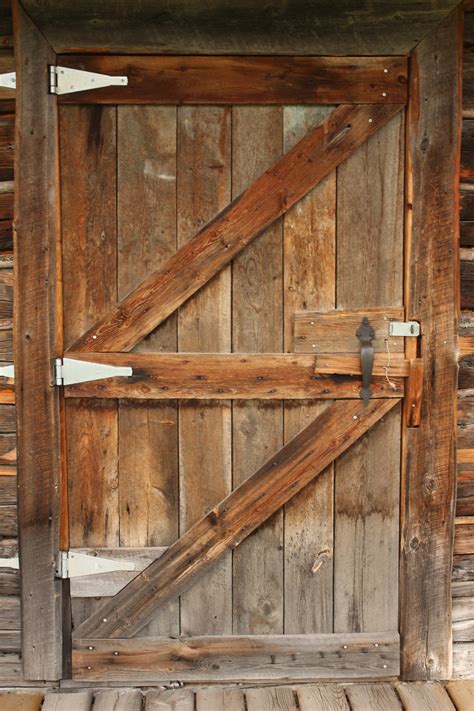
80, 701
216, 376
322, 698
237, 657
204, 324
414, 393
36, 344
462, 694
146, 237
89, 236
269, 197
370, 275
257, 325
424, 697
21, 701
245, 80
230, 699
429, 481
357, 27
373, 697
335, 331
266, 699
228, 524
308, 282
120, 700
170, 700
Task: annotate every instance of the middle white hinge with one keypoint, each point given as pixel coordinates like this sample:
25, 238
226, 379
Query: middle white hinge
70, 564
64, 80
69, 371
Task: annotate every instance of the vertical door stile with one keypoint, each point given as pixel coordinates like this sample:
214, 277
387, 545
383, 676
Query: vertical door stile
309, 283
257, 312
204, 188
370, 273
148, 431
89, 235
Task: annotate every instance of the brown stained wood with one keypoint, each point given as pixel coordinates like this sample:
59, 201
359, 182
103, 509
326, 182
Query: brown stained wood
466, 346
21, 701
37, 342
7, 449
322, 698
311, 160
120, 700
8, 521
237, 657
204, 324
212, 698
370, 280
373, 697
148, 473
88, 207
334, 331
309, 235
221, 376
267, 699
464, 539
424, 697
467, 284
7, 418
467, 233
240, 513
245, 80
8, 490
356, 27
462, 694
414, 393
386, 365
257, 427
170, 700
428, 488
9, 581
7, 64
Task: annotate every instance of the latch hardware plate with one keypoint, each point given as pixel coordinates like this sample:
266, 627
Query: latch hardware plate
70, 371
70, 564
64, 80
404, 328
8, 80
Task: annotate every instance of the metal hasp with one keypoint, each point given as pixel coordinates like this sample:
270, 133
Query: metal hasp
70, 564
70, 371
8, 80
404, 328
63, 80
366, 334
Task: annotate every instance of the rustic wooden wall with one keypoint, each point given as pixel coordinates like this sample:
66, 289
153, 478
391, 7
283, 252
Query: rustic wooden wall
9, 579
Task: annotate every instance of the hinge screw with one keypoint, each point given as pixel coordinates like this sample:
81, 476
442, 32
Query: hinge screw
384, 93
91, 648
104, 619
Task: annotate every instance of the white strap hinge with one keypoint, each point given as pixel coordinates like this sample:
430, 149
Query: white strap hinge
64, 80
69, 371
70, 564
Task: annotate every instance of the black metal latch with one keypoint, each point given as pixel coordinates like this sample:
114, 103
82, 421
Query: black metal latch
365, 333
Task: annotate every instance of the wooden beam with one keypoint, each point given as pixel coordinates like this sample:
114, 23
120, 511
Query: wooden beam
235, 517
36, 344
428, 489
269, 197
244, 80
232, 658
217, 376
238, 27
392, 365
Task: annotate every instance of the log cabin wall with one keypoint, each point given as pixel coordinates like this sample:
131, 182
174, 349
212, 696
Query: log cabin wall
463, 576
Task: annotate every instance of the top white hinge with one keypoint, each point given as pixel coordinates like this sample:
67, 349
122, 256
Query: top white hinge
72, 564
69, 371
63, 80
404, 328
8, 80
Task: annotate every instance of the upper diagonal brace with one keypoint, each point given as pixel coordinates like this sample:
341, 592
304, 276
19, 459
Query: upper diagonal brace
235, 518
215, 245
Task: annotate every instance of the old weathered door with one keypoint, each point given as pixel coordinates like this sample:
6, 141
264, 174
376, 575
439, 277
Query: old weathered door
237, 238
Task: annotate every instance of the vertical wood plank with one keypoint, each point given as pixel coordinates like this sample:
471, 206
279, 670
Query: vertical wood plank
88, 208
204, 186
428, 489
309, 283
370, 273
37, 342
148, 474
257, 428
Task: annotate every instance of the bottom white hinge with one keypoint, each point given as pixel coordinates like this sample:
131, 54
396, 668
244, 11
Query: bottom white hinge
69, 371
70, 564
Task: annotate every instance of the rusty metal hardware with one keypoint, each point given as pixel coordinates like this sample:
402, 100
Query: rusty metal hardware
366, 334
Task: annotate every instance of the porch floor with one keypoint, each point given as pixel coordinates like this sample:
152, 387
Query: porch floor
309, 697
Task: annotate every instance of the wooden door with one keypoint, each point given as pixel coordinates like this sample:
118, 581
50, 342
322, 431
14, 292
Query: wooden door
227, 224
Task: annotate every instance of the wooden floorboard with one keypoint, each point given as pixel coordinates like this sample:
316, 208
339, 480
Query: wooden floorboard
421, 696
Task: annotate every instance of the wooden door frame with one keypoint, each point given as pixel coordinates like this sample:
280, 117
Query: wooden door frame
431, 296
